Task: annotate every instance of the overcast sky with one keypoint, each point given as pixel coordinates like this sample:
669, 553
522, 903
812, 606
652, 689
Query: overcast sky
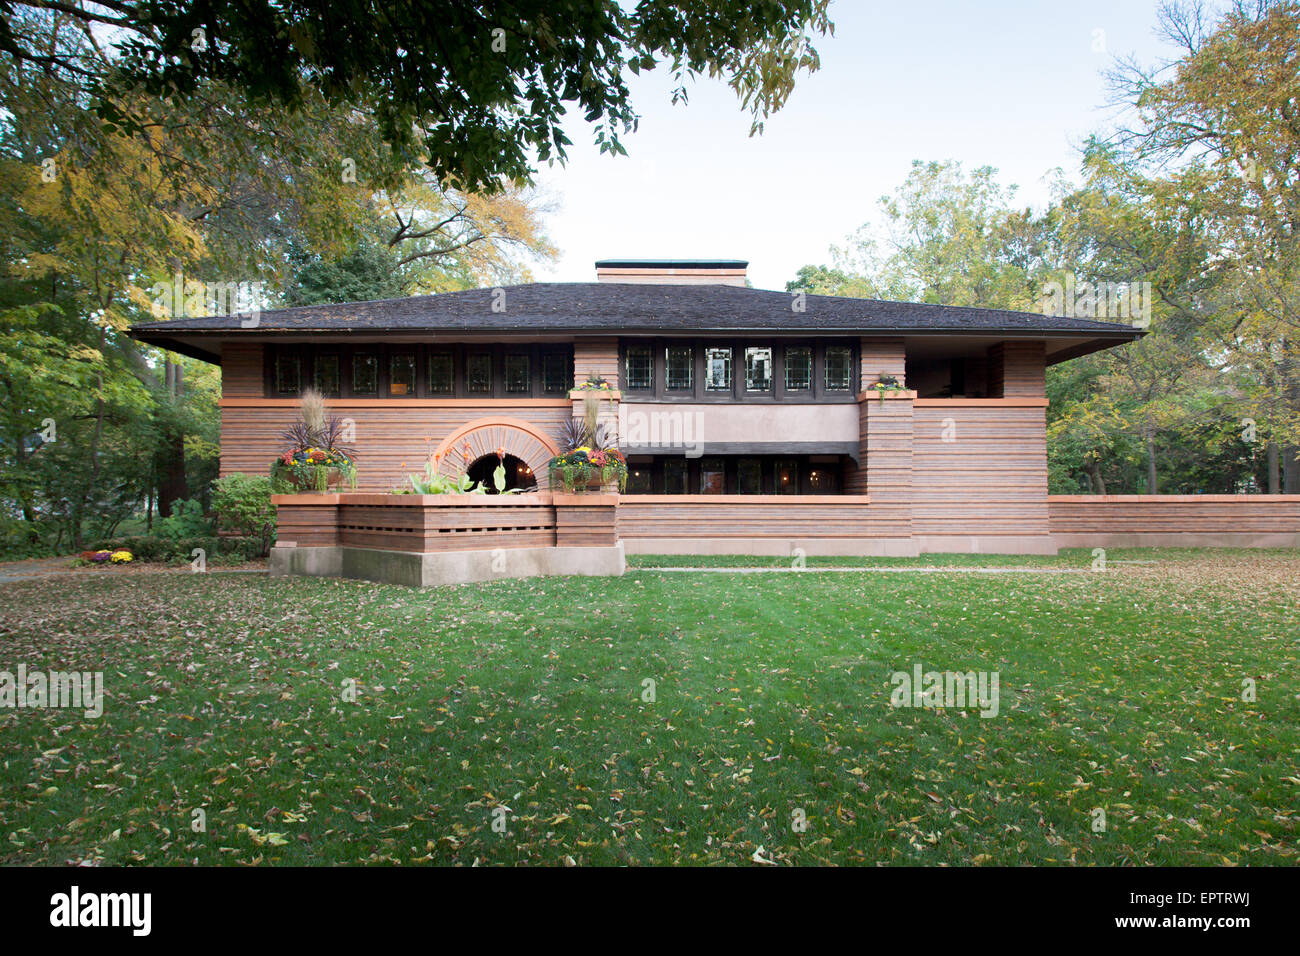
1015, 84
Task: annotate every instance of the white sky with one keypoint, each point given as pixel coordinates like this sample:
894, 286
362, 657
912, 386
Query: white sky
1015, 84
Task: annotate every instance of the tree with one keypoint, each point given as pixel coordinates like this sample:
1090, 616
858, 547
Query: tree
478, 90
1219, 129
949, 237
93, 225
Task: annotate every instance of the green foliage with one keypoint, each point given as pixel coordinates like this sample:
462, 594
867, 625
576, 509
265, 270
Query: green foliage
242, 504
574, 470
369, 272
434, 483
155, 549
186, 521
485, 106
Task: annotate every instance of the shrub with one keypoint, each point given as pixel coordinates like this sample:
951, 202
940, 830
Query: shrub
153, 549
242, 504
186, 521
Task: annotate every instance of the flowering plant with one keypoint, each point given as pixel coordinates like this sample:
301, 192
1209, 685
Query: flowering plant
575, 469
313, 457
595, 383
886, 383
121, 556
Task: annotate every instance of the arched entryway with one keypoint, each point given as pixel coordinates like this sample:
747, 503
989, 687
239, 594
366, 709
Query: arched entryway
484, 438
518, 475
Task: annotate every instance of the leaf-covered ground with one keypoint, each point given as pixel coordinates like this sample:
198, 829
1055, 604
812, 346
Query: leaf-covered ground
522, 701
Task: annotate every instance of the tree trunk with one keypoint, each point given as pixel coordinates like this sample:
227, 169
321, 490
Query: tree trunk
1272, 461
78, 511
1152, 489
171, 463
1291, 470
1093, 470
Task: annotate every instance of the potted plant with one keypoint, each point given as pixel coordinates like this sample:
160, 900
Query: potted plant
583, 467
595, 383
314, 457
886, 383
590, 458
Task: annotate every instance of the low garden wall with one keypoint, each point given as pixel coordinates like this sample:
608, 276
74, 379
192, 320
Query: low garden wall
1236, 521
446, 539
759, 525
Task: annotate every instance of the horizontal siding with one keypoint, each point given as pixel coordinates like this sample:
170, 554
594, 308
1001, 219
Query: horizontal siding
1174, 514
1018, 369
880, 357
596, 357
990, 479
890, 463
391, 442
241, 370
586, 526
713, 516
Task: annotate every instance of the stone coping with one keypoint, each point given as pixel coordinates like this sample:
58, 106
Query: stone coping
741, 500
444, 501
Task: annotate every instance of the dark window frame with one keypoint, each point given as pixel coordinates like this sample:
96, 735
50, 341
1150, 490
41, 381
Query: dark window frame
698, 393
306, 355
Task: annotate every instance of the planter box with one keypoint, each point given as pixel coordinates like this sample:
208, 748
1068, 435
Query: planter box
306, 521
586, 520
433, 523
424, 540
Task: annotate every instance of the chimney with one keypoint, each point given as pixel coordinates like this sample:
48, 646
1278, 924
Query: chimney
673, 271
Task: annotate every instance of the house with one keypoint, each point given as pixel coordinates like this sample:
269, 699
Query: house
754, 421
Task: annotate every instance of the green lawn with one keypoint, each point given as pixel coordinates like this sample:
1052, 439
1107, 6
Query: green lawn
1120, 691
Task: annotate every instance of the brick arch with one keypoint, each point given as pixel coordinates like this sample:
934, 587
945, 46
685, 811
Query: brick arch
484, 436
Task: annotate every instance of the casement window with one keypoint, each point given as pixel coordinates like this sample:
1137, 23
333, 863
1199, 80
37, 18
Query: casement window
744, 369
675, 476
679, 368
717, 369
288, 374
442, 373
478, 373
713, 476
758, 369
639, 368
518, 374
749, 476
419, 371
556, 377
401, 373
326, 376
798, 368
365, 373
787, 477
839, 368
